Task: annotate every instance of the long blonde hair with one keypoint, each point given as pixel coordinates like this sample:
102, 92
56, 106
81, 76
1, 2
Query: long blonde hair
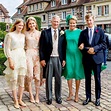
14, 25
31, 18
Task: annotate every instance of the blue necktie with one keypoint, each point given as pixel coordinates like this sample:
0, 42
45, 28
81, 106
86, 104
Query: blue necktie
90, 36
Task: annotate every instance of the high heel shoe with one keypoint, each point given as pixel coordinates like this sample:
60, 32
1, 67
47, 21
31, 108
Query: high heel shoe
37, 101
70, 97
16, 106
76, 99
22, 103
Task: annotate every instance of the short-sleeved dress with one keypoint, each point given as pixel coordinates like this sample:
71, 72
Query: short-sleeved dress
74, 66
32, 54
14, 48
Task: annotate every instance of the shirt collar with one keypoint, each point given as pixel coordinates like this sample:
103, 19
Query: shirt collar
91, 28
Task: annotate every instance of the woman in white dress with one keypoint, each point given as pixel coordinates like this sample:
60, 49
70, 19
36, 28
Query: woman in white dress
16, 61
32, 53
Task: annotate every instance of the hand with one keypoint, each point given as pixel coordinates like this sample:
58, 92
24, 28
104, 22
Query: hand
11, 64
42, 81
81, 46
91, 50
43, 63
63, 63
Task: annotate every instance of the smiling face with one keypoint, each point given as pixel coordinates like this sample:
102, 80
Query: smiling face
55, 22
31, 24
90, 22
72, 24
19, 26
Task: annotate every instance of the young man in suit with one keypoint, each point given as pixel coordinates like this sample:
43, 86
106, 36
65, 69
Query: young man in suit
52, 50
92, 43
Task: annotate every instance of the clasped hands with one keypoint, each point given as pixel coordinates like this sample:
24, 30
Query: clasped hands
90, 49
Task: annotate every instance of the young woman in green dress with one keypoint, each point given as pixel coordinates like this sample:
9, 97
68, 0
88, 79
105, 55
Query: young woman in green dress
74, 67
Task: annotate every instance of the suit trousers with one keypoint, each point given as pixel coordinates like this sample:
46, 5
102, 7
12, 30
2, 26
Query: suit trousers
90, 66
53, 68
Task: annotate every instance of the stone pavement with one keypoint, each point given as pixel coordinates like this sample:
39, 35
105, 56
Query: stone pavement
6, 102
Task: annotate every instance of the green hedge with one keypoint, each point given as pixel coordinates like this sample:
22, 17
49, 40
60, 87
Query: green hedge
2, 60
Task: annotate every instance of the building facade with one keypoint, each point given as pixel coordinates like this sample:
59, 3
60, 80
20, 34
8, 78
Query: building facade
45, 9
4, 14
101, 10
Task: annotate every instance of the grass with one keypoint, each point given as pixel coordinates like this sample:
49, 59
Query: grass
2, 60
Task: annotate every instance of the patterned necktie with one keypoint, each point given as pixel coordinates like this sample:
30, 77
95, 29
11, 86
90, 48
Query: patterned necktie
55, 34
90, 36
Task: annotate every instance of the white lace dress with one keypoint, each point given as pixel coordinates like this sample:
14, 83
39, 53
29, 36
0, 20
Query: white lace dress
14, 48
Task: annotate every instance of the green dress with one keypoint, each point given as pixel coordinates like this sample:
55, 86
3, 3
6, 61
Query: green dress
74, 67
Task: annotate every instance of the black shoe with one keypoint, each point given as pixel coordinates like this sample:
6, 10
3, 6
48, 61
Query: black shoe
49, 102
59, 101
97, 102
86, 101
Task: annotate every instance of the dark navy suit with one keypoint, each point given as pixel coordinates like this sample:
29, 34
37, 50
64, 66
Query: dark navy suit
93, 61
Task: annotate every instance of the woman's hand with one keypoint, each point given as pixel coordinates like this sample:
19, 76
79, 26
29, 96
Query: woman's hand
43, 63
63, 63
11, 64
81, 47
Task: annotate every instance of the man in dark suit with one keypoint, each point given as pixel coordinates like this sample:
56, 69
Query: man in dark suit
91, 43
52, 56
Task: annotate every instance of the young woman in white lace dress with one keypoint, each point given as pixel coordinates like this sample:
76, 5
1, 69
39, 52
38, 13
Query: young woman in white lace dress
32, 53
16, 61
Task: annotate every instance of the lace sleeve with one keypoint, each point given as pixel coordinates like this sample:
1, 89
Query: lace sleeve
7, 46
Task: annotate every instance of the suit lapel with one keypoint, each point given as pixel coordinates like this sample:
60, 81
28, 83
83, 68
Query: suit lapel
50, 35
87, 35
94, 34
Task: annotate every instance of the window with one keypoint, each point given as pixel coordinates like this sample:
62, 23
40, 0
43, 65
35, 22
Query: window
3, 19
52, 15
106, 9
73, 0
19, 11
64, 2
64, 15
88, 8
40, 5
43, 18
32, 7
29, 8
53, 3
73, 12
36, 6
99, 10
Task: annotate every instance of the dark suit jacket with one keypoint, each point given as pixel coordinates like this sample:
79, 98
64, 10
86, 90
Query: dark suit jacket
46, 47
98, 43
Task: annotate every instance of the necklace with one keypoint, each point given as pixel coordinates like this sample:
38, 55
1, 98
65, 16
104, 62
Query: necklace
32, 33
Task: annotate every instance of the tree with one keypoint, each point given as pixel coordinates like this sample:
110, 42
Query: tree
2, 26
2, 35
38, 19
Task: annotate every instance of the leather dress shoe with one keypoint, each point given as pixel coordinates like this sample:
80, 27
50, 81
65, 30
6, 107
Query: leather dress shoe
59, 101
86, 101
97, 102
49, 102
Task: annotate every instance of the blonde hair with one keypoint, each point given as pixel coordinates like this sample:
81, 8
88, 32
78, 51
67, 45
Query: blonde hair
14, 25
73, 18
33, 19
88, 16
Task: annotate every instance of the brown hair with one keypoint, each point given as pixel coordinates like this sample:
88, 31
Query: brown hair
31, 18
88, 16
14, 25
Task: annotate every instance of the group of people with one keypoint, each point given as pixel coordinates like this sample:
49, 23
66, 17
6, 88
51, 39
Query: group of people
43, 55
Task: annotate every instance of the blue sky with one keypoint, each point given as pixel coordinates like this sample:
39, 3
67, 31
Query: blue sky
11, 5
